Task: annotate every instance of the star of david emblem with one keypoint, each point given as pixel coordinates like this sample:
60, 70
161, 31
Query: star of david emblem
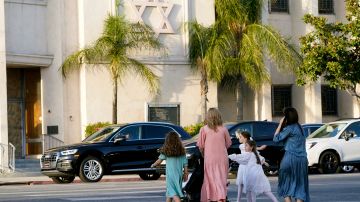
164, 8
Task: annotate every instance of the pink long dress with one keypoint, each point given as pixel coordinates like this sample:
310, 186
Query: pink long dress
216, 162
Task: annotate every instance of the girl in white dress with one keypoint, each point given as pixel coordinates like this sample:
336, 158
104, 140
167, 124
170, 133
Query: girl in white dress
243, 137
254, 180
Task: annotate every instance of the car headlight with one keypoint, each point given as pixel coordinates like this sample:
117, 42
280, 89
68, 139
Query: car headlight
68, 152
310, 145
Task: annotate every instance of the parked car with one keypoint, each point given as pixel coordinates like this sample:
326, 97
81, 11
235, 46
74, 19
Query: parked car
117, 149
334, 145
262, 132
311, 127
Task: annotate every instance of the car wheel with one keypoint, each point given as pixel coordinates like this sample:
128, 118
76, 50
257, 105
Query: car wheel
347, 168
91, 169
328, 163
63, 180
149, 176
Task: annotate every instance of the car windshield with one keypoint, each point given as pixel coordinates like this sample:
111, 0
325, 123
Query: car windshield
102, 134
328, 130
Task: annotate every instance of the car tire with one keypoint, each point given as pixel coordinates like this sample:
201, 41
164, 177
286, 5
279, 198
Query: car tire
63, 180
347, 169
329, 163
91, 169
150, 176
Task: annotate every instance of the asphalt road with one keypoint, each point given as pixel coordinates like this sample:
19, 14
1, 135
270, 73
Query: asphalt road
329, 188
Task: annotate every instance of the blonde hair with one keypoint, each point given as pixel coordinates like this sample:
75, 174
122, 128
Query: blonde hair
213, 118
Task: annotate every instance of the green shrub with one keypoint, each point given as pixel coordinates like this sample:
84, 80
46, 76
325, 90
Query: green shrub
93, 127
194, 128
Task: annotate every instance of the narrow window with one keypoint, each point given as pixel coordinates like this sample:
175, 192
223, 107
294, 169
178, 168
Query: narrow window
281, 98
328, 100
326, 6
281, 6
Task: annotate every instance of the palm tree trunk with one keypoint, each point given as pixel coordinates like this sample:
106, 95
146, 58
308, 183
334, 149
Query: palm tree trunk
114, 114
204, 90
239, 100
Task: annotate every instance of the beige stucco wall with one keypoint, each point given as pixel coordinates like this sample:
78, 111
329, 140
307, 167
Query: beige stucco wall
90, 90
43, 33
307, 99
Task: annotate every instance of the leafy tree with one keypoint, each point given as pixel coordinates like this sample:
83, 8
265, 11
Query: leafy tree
332, 51
236, 55
111, 48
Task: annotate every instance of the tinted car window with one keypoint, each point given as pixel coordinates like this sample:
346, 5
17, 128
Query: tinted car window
264, 131
354, 128
101, 134
151, 132
328, 130
133, 132
241, 127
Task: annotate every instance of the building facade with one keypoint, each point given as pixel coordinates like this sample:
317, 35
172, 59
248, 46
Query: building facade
37, 35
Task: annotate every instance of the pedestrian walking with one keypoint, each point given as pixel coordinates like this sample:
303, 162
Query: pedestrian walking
243, 137
253, 180
173, 152
293, 172
213, 143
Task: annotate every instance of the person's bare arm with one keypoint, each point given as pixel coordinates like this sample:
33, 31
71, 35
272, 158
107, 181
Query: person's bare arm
279, 126
262, 147
156, 163
186, 174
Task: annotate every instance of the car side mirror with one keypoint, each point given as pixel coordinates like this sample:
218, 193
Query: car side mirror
121, 138
347, 136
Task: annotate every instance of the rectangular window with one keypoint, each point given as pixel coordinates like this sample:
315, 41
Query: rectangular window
328, 100
164, 113
326, 6
281, 6
281, 98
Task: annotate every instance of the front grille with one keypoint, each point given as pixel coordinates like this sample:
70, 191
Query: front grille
49, 160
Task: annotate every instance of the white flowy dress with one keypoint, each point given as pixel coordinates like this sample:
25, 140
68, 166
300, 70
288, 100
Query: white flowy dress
253, 177
241, 168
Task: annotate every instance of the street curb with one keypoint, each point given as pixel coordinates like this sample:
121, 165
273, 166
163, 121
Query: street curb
40, 182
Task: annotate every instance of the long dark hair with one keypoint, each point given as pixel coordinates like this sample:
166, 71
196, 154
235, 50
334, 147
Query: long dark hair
291, 117
252, 144
172, 145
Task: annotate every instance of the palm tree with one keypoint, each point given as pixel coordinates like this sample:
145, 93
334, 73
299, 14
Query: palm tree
242, 44
198, 46
111, 48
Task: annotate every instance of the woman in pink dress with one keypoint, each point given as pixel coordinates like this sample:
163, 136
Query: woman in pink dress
213, 143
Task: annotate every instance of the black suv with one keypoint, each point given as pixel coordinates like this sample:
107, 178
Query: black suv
117, 149
262, 132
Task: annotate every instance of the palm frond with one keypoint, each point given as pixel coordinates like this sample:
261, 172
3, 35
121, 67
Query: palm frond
279, 50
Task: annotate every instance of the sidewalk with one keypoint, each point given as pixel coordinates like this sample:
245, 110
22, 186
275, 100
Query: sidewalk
36, 178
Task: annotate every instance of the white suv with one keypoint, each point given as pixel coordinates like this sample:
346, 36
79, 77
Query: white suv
334, 144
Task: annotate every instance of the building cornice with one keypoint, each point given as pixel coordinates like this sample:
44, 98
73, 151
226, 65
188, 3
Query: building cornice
29, 60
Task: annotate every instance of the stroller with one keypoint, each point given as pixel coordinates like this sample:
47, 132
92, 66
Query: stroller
192, 189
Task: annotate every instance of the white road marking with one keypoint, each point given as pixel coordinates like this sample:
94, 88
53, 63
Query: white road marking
87, 193
112, 198
78, 191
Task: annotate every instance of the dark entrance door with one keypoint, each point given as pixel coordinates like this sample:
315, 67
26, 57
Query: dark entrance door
24, 110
